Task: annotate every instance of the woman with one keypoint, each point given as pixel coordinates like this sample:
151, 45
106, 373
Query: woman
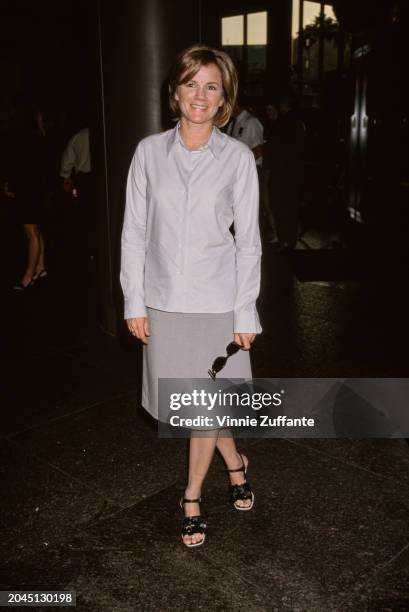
189, 286
35, 169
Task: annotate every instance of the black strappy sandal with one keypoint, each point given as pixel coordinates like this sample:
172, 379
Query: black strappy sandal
193, 524
20, 287
242, 491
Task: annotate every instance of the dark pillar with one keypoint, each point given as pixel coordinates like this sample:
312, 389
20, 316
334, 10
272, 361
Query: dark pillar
278, 48
137, 44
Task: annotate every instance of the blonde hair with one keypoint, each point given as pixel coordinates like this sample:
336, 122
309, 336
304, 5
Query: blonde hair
189, 62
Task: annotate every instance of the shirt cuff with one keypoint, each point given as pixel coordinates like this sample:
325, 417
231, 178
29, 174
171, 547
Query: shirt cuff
246, 321
133, 310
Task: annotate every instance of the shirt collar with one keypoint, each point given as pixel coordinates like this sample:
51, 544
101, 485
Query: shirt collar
216, 142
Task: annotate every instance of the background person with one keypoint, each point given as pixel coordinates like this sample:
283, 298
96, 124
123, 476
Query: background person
75, 171
33, 184
76, 161
190, 288
246, 128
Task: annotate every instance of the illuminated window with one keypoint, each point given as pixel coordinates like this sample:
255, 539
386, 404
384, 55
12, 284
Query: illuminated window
257, 28
295, 29
311, 13
233, 31
329, 12
318, 44
330, 28
246, 43
311, 24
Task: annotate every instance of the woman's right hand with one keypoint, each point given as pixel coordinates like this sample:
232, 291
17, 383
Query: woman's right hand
139, 327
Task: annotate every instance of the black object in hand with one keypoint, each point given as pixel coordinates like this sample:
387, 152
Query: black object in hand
219, 363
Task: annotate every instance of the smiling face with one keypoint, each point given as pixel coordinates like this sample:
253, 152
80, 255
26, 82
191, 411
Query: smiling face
200, 98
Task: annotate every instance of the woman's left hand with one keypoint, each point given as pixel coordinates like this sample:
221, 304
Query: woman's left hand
244, 340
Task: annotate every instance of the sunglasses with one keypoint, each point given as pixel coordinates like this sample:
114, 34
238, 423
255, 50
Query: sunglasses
219, 363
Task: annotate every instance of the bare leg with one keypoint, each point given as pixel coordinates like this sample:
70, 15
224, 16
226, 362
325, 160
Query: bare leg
40, 267
201, 453
33, 236
227, 448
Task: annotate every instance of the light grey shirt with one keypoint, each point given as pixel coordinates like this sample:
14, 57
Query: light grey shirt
76, 155
178, 254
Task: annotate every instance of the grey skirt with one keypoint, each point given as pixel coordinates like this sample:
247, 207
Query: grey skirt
184, 345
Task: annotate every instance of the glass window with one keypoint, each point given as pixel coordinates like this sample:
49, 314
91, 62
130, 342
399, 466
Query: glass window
311, 21
329, 12
295, 28
257, 28
330, 39
233, 37
249, 55
296, 18
311, 13
256, 52
319, 48
233, 31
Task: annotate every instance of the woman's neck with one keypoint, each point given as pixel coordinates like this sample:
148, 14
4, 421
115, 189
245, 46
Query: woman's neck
193, 135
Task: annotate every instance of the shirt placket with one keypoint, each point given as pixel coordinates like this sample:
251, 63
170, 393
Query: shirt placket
189, 162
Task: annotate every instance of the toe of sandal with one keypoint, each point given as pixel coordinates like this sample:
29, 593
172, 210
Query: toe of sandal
242, 492
192, 525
